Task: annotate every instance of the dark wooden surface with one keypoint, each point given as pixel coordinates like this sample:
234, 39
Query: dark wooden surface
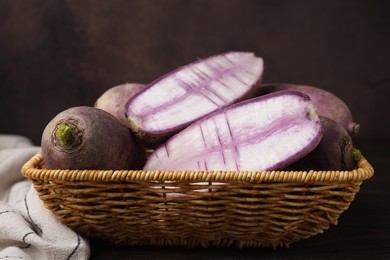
363, 231
59, 54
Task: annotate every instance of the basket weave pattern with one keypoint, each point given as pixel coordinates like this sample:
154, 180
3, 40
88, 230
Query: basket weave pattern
197, 208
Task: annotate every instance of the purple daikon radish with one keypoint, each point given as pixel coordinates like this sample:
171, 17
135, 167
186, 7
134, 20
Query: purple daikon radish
335, 152
90, 138
327, 104
115, 98
177, 99
263, 133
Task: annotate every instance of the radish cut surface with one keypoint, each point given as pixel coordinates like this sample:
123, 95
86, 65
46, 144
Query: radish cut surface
264, 133
177, 99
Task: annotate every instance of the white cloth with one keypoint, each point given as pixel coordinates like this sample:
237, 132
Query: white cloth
27, 229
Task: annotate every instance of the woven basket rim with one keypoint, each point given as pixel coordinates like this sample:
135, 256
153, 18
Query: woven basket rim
32, 170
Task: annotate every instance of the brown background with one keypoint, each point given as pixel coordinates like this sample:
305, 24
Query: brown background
58, 54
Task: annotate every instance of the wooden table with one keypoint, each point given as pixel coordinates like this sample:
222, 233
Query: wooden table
363, 231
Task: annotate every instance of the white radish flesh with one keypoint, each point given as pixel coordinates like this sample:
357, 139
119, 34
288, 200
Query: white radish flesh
177, 99
262, 133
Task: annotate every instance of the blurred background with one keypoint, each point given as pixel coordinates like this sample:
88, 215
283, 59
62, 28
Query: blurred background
59, 54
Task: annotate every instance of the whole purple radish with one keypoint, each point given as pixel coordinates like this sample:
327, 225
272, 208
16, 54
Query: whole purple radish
263, 133
335, 152
89, 138
115, 99
177, 99
327, 104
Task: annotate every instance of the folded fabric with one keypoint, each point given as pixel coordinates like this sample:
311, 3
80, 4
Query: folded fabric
27, 229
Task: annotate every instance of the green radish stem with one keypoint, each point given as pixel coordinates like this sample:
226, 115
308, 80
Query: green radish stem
66, 134
356, 154
63, 133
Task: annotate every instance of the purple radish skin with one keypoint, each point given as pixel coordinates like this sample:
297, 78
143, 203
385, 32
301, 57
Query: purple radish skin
89, 138
172, 102
327, 104
264, 133
335, 152
115, 99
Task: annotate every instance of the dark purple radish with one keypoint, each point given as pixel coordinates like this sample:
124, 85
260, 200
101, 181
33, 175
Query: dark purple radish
174, 101
335, 152
89, 138
327, 104
263, 133
115, 99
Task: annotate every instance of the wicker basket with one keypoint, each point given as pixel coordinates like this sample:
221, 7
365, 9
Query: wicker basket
255, 209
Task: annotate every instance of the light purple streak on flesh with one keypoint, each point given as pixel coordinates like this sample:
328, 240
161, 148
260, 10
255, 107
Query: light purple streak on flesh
177, 99
263, 133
